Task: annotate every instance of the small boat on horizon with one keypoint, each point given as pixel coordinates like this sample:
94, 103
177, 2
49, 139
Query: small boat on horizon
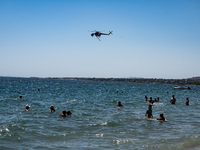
182, 88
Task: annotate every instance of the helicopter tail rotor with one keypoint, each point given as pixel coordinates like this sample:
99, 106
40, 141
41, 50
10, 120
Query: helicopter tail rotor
110, 32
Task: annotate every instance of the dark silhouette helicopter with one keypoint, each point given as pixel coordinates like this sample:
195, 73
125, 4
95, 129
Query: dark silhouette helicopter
98, 34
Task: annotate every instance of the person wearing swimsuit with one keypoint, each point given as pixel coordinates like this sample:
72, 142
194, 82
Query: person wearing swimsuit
187, 102
173, 100
149, 112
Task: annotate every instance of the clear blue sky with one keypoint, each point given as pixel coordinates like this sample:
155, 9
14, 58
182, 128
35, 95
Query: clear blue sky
51, 38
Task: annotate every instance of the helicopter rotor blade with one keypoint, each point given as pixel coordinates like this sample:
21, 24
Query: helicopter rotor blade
92, 31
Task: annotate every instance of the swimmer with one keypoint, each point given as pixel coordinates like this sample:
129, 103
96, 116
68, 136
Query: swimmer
52, 108
173, 100
146, 98
20, 97
187, 102
69, 113
157, 100
38, 90
162, 118
27, 108
149, 112
64, 114
151, 101
119, 104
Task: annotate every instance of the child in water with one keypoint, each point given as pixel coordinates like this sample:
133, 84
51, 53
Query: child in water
162, 118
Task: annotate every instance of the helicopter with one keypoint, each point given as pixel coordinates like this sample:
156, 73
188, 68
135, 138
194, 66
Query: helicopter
98, 34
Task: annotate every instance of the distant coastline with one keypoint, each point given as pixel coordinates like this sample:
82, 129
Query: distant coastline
188, 81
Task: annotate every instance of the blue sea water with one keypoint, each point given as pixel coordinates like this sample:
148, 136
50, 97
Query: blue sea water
95, 123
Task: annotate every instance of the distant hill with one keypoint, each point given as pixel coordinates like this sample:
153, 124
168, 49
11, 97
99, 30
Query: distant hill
194, 78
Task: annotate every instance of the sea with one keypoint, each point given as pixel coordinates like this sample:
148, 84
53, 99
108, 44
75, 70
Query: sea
96, 121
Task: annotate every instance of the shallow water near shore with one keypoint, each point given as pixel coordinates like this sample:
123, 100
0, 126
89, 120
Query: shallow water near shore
95, 121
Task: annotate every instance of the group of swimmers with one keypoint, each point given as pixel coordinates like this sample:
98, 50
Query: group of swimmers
148, 112
151, 100
173, 100
162, 118
52, 109
64, 113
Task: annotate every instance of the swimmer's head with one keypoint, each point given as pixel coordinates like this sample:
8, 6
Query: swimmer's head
161, 115
187, 98
69, 113
27, 106
64, 112
52, 107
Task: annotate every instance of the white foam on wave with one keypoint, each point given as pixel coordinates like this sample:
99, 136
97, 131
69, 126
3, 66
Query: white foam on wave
123, 141
93, 124
99, 135
70, 101
105, 123
102, 124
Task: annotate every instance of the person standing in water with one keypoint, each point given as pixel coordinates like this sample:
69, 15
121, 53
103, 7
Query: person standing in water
151, 100
149, 112
173, 100
146, 98
187, 102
